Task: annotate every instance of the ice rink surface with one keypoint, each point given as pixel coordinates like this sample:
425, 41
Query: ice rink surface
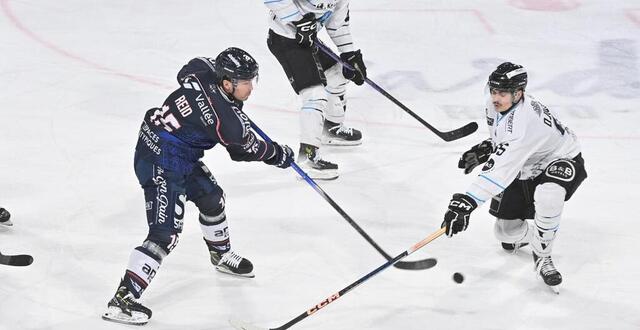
77, 77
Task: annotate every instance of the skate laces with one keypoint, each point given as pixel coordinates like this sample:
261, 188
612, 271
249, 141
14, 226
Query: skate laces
344, 129
545, 266
230, 258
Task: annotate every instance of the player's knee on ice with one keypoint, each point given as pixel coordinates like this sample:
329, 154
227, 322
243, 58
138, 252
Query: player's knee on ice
511, 231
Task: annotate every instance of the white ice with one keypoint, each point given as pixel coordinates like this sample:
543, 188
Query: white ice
77, 77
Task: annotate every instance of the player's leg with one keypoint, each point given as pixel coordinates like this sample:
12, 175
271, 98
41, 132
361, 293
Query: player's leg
165, 197
512, 208
335, 132
204, 191
307, 79
556, 185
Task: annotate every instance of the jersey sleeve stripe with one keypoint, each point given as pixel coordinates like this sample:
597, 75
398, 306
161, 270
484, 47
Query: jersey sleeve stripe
488, 179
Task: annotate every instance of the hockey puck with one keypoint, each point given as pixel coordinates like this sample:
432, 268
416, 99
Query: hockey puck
458, 278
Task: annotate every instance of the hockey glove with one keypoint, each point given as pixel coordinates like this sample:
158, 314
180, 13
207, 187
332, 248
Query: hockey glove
306, 30
457, 217
475, 156
282, 158
355, 60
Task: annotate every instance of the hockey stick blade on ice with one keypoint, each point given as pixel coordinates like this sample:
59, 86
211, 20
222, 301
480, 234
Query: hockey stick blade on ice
16, 260
407, 265
455, 134
245, 326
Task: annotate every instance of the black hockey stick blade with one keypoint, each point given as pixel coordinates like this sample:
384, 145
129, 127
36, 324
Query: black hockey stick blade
416, 265
446, 136
459, 133
16, 260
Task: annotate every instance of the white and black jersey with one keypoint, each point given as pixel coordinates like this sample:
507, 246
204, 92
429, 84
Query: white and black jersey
332, 14
526, 139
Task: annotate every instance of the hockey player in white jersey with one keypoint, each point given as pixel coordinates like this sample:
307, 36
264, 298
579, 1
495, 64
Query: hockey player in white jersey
533, 164
317, 78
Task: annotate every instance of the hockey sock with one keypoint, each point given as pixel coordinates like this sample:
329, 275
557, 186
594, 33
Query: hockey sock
216, 232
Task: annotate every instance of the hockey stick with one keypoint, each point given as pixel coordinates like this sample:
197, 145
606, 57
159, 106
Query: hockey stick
409, 265
447, 136
16, 260
245, 326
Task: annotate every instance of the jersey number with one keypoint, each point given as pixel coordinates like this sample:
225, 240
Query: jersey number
161, 117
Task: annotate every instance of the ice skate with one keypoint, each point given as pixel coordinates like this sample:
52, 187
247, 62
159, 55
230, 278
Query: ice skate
231, 263
340, 135
550, 275
4, 217
123, 308
316, 168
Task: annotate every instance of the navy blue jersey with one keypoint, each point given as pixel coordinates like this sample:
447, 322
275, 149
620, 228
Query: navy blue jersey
194, 118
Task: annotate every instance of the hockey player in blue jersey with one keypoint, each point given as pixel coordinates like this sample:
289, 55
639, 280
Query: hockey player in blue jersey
205, 111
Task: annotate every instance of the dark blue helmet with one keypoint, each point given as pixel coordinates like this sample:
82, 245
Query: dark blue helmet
508, 77
235, 64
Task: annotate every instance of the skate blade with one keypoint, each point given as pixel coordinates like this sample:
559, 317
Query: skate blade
114, 314
555, 288
7, 223
226, 271
319, 175
340, 142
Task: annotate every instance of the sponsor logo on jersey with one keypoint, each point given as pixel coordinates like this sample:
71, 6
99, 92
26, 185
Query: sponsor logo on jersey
536, 107
205, 109
244, 120
489, 121
179, 212
488, 165
149, 138
163, 200
510, 122
562, 170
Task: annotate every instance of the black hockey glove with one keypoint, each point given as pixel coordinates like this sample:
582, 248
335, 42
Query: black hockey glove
306, 30
282, 158
355, 60
475, 156
457, 217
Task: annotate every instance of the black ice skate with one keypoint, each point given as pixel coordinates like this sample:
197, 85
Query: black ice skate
548, 272
4, 217
513, 247
231, 263
123, 308
340, 135
316, 168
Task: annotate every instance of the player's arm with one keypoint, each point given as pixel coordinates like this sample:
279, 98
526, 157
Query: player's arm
253, 149
499, 171
337, 26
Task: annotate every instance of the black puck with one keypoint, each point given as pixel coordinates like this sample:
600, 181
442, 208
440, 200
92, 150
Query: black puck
458, 278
